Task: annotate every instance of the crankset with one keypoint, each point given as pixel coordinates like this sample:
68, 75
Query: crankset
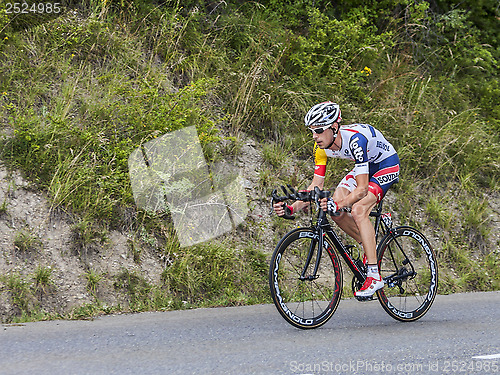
356, 285
364, 299
308, 278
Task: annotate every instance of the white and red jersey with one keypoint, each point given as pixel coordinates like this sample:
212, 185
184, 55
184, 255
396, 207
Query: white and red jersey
372, 155
362, 143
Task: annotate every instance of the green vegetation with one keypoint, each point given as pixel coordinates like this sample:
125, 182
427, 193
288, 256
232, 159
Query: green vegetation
27, 243
87, 239
80, 90
26, 294
43, 279
212, 275
93, 278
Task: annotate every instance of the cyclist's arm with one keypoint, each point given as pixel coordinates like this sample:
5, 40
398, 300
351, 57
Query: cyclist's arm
316, 181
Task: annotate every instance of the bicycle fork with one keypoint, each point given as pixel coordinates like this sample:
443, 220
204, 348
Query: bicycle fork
310, 255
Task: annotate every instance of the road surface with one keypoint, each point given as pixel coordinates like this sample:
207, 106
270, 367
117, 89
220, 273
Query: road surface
459, 335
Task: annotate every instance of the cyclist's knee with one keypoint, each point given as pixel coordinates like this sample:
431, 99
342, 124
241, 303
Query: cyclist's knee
340, 193
360, 212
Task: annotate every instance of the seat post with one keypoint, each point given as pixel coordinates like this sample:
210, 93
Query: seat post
377, 211
379, 206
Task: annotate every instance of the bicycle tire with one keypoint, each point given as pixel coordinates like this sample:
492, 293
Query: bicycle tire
408, 265
304, 304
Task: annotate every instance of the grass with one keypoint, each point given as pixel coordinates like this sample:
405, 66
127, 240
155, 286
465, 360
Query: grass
19, 289
43, 279
440, 211
93, 279
26, 296
27, 243
87, 239
135, 250
210, 273
136, 288
91, 310
4, 207
80, 132
204, 276
476, 219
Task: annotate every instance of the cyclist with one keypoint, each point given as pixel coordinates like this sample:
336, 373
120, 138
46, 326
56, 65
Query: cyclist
376, 168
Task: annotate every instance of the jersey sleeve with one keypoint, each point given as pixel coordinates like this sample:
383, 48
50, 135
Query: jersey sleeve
358, 145
320, 160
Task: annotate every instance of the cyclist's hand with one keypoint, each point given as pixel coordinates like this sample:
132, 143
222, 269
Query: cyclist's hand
323, 203
329, 205
283, 210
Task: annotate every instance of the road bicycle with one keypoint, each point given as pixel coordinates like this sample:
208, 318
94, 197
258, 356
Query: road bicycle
305, 274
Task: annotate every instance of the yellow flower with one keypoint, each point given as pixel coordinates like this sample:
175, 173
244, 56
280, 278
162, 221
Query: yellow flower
6, 38
367, 71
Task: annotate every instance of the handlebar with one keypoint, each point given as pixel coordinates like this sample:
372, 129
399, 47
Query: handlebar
301, 195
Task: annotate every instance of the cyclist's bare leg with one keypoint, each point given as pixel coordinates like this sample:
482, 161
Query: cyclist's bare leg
345, 220
361, 216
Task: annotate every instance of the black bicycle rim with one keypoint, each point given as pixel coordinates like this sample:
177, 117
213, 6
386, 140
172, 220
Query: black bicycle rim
409, 267
304, 302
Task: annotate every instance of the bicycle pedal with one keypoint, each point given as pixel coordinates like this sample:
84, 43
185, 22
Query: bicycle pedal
364, 299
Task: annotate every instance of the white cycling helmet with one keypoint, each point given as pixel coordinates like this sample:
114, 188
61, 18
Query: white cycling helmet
323, 114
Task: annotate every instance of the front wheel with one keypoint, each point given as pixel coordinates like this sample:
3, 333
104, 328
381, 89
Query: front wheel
305, 299
409, 268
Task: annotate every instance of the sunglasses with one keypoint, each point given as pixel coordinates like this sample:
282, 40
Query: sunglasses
320, 129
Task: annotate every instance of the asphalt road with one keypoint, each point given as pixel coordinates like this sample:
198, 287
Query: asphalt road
359, 339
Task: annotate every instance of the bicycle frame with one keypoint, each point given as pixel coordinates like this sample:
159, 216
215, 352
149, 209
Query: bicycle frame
324, 228
344, 253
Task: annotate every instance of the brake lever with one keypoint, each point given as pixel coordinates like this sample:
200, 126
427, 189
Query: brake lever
320, 194
278, 199
274, 199
293, 192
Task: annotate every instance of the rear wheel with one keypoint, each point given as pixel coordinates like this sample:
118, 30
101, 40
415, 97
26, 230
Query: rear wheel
303, 299
409, 269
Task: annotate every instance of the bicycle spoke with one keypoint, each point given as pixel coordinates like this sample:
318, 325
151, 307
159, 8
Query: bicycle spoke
408, 266
303, 298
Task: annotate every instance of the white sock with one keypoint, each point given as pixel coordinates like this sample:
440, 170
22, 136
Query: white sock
373, 271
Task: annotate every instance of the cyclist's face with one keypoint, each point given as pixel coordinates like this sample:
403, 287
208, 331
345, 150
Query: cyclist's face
324, 138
